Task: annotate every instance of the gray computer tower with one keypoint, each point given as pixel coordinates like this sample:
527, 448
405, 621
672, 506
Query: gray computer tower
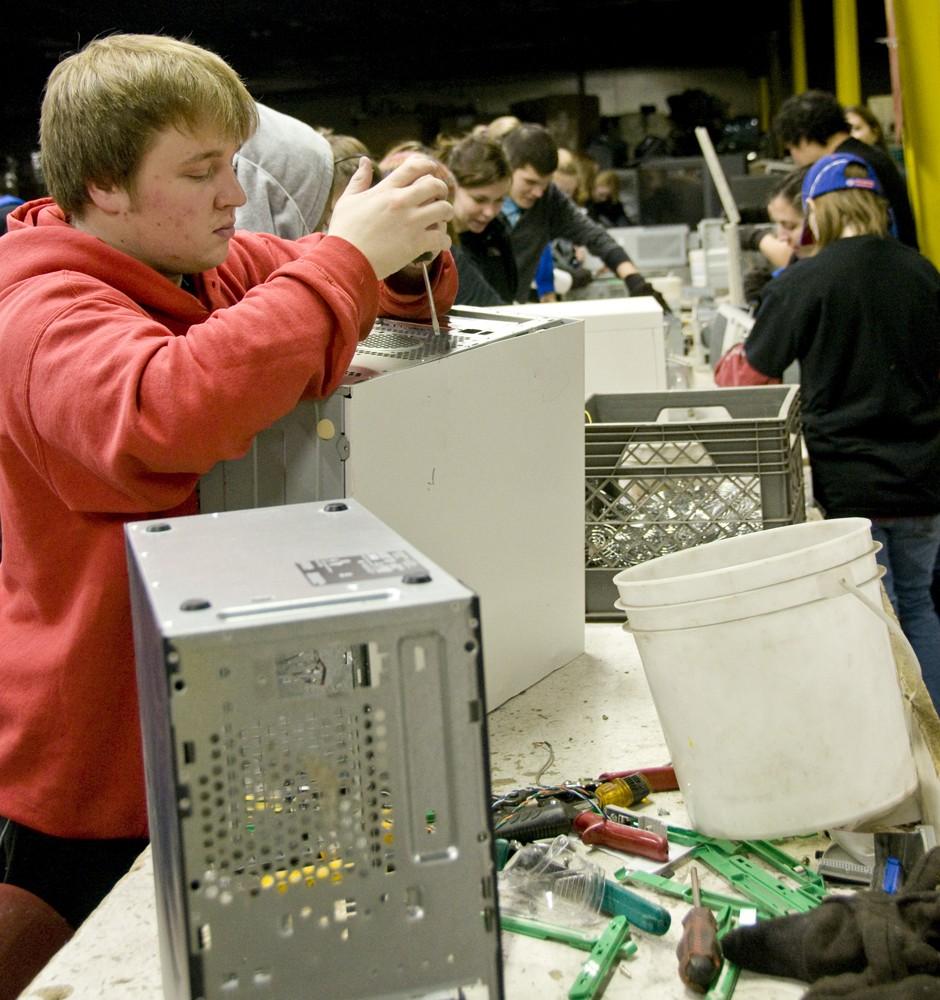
314, 725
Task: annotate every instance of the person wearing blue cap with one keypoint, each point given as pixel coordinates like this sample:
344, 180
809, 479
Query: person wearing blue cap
814, 124
862, 316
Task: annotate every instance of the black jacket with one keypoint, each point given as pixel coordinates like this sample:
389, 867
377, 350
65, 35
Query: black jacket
486, 267
863, 318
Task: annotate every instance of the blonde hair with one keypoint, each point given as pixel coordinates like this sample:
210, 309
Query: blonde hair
609, 179
104, 105
581, 167
864, 211
502, 126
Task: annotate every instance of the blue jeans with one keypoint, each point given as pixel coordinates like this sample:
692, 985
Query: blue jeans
909, 553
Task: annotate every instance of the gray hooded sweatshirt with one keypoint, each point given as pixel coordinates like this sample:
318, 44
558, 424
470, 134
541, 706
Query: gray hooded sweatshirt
286, 169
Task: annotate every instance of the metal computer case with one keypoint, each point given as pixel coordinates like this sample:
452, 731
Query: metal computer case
315, 747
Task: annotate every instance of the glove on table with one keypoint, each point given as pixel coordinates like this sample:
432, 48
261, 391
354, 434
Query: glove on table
860, 942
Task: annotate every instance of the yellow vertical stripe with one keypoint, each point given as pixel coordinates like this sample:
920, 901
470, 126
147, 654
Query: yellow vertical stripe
798, 47
917, 23
848, 77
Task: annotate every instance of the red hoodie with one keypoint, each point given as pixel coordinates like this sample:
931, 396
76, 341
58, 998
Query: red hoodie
119, 390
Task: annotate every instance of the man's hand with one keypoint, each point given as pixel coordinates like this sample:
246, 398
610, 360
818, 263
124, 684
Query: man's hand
398, 220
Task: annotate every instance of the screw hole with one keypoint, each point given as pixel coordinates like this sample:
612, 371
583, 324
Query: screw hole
195, 604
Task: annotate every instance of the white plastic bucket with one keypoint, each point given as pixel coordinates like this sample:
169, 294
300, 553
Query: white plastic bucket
772, 673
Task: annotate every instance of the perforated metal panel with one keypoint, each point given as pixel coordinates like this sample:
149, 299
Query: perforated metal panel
314, 722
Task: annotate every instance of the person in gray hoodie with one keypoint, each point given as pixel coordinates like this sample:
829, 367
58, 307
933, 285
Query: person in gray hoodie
286, 170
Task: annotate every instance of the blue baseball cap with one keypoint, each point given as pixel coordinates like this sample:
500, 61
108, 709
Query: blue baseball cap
828, 174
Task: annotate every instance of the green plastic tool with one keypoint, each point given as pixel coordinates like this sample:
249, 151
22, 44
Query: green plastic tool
603, 955
553, 932
683, 891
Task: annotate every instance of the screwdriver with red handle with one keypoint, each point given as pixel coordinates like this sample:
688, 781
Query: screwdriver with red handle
698, 950
660, 779
598, 831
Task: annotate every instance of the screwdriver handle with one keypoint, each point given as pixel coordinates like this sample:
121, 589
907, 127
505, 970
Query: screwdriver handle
698, 952
622, 791
660, 779
597, 831
643, 913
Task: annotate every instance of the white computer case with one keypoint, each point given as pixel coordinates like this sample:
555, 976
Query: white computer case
624, 340
470, 445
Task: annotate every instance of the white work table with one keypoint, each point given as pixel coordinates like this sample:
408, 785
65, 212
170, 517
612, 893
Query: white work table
597, 715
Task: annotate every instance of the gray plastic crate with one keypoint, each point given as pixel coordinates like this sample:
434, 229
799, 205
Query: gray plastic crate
670, 470
654, 247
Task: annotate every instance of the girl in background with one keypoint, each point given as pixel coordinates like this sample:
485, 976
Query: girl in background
485, 263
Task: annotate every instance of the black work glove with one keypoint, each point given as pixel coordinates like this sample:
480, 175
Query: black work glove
857, 945
638, 285
749, 237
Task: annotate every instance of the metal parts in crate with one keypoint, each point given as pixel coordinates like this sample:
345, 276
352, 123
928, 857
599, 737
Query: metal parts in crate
315, 747
668, 471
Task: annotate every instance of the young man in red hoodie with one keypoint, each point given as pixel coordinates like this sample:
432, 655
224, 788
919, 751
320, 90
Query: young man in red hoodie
142, 340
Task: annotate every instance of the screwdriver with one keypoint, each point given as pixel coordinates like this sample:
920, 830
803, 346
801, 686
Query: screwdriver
423, 261
660, 779
625, 791
698, 952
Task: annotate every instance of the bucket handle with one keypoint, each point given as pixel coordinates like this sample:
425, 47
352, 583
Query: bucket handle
835, 584
893, 627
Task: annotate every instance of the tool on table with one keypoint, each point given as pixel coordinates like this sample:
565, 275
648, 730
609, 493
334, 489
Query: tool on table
759, 885
423, 261
596, 830
565, 935
682, 890
542, 819
594, 972
649, 917
728, 858
626, 818
660, 779
893, 875
730, 911
698, 952
622, 791
723, 987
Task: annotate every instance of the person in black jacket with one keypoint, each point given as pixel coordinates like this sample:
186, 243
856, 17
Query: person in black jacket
537, 213
813, 124
485, 263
